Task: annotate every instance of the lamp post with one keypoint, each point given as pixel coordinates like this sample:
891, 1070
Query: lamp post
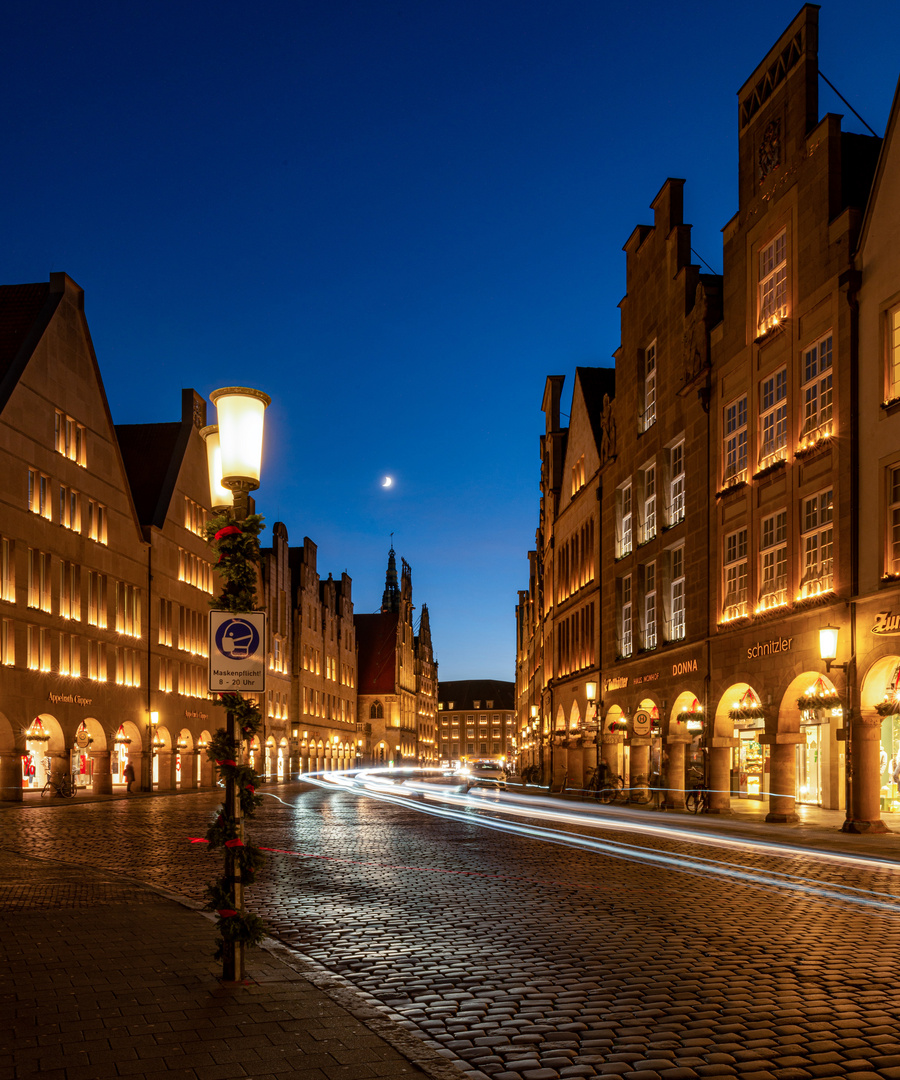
234, 457
590, 689
828, 643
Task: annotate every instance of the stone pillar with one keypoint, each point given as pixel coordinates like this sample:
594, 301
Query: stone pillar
673, 773
719, 775
576, 767
144, 770
782, 774
166, 781
639, 768
11, 776
560, 768
207, 771
102, 783
609, 753
864, 814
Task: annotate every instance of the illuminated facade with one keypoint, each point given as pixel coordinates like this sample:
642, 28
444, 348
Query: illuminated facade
720, 551
477, 721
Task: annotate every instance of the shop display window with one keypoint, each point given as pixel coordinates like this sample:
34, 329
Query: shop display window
890, 764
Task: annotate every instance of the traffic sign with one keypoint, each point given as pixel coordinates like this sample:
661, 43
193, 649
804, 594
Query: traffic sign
237, 652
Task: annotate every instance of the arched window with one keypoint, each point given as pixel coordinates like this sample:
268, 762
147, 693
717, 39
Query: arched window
376, 712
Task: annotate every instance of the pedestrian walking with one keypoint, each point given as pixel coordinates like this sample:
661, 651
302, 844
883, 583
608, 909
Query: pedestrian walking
129, 777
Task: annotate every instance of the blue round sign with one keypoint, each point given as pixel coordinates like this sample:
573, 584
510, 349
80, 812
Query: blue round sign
237, 639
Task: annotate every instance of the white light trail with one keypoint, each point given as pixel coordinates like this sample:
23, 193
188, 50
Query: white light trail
504, 802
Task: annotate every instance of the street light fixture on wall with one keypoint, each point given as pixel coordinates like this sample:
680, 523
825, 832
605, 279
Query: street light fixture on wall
828, 642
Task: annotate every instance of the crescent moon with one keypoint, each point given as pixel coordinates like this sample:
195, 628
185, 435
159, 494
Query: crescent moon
387, 481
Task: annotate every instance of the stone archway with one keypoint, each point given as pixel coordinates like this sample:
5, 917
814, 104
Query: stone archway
682, 730
722, 742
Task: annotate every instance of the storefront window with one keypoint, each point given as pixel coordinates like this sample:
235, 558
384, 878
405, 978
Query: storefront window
890, 764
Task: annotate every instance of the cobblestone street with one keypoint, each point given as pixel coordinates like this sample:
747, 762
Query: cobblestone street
530, 959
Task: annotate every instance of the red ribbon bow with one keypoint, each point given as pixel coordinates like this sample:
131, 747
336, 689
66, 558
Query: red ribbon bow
229, 530
226, 913
227, 761
237, 842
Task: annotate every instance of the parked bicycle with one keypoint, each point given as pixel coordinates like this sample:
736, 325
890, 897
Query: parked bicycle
64, 787
531, 774
605, 786
697, 799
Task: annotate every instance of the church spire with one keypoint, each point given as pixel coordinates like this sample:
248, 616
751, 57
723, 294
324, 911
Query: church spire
390, 598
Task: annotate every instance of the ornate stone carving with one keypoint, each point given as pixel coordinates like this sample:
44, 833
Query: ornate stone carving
607, 432
770, 149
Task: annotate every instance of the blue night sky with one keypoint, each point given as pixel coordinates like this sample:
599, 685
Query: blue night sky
397, 217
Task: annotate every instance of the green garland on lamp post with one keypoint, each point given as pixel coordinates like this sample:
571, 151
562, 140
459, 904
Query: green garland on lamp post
235, 542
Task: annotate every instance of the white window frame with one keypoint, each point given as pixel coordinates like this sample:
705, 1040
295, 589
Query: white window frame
734, 444
624, 520
626, 625
735, 575
892, 353
648, 406
648, 502
773, 435
773, 561
772, 293
677, 608
676, 483
817, 392
649, 630
817, 544
892, 555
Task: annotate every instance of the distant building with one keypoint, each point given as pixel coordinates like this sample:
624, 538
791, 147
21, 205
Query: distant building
477, 720
397, 677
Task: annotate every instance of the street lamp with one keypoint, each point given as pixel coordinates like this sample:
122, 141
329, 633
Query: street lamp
241, 414
828, 642
590, 689
220, 497
236, 467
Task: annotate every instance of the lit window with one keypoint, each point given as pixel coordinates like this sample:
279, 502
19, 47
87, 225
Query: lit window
39, 494
735, 441
893, 353
773, 283
71, 441
7, 571
69, 591
648, 503
39, 579
817, 544
735, 603
625, 628
676, 594
624, 530
816, 393
96, 527
676, 484
648, 410
7, 643
773, 561
578, 475
773, 419
893, 553
650, 606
